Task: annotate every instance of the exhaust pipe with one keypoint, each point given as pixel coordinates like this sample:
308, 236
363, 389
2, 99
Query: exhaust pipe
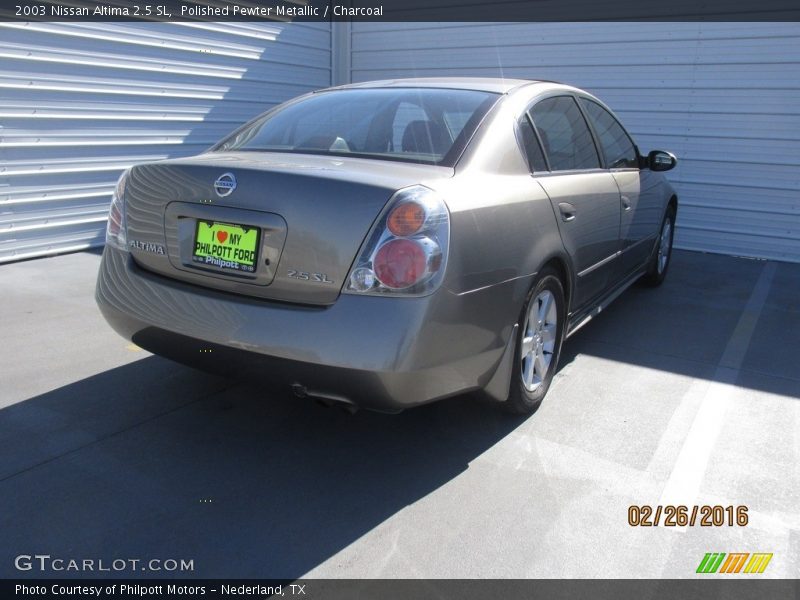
324, 398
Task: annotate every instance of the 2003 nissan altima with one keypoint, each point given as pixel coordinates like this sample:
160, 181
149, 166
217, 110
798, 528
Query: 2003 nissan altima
391, 243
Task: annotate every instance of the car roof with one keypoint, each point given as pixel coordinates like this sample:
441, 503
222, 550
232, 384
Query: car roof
497, 85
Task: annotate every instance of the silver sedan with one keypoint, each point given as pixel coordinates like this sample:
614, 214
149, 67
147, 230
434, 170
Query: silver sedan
387, 244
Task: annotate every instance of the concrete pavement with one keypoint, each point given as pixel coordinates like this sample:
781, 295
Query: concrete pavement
686, 394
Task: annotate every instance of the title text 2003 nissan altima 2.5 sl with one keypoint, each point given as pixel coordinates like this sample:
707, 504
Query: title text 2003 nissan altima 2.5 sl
391, 243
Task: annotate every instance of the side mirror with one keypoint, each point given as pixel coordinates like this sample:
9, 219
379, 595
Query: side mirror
659, 160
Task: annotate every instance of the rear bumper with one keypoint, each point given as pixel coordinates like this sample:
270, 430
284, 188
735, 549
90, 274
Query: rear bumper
379, 353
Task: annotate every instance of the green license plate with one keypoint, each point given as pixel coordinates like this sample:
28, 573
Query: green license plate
226, 246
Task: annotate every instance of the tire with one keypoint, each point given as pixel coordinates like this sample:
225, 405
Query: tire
535, 365
662, 253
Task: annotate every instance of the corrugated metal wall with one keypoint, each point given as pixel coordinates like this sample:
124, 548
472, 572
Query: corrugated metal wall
724, 97
78, 103
81, 102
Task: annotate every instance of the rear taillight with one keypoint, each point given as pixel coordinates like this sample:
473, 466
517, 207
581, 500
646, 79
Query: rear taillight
115, 229
406, 251
399, 264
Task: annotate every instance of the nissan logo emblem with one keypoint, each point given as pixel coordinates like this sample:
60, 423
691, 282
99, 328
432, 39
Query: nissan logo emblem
225, 184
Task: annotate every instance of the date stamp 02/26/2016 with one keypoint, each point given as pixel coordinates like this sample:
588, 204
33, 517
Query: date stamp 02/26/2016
682, 516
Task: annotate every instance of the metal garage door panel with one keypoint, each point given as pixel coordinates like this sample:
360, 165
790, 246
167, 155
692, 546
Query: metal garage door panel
81, 102
725, 97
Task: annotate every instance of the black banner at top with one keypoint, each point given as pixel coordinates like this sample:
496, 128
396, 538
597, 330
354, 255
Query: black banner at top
376, 11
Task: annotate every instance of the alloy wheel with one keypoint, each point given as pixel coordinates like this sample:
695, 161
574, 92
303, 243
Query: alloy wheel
538, 340
664, 245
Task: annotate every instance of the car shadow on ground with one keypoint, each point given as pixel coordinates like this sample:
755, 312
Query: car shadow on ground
155, 460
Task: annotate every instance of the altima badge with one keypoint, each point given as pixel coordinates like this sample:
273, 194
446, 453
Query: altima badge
225, 184
147, 247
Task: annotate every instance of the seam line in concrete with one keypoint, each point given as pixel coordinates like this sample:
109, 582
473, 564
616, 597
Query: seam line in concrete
683, 484
695, 361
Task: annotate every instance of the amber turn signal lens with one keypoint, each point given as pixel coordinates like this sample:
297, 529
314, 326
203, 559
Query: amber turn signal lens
406, 219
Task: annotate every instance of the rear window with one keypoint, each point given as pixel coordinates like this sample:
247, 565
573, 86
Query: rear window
430, 126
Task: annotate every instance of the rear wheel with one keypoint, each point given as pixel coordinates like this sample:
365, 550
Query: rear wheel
659, 263
538, 344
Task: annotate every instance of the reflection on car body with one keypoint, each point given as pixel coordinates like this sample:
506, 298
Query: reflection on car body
391, 243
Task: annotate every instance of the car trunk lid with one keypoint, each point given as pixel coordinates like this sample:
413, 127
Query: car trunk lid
304, 216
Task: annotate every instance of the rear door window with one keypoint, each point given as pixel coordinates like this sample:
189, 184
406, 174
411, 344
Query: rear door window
619, 151
565, 135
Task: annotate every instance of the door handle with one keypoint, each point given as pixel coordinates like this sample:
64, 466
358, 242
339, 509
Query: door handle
626, 203
567, 211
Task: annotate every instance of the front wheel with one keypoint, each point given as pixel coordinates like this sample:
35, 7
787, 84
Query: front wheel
538, 344
659, 263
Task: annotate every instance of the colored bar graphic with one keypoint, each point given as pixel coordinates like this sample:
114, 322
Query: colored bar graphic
701, 568
710, 562
734, 562
713, 562
758, 563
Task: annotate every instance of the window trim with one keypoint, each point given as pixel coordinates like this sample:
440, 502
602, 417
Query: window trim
518, 135
549, 168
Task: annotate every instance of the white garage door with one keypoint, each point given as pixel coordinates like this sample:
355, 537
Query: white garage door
724, 97
81, 102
